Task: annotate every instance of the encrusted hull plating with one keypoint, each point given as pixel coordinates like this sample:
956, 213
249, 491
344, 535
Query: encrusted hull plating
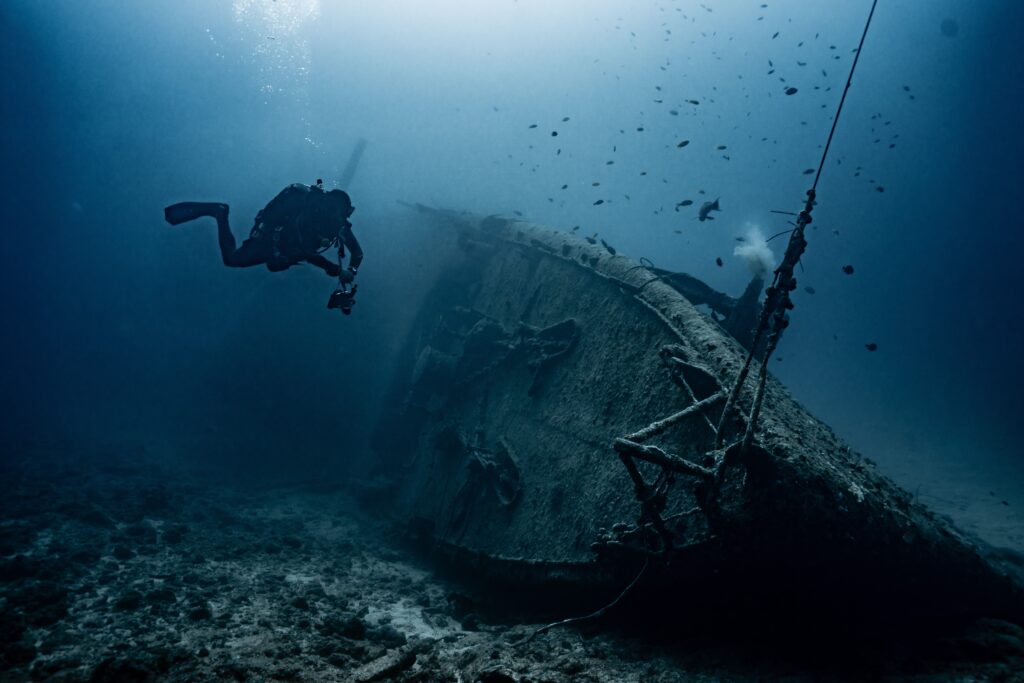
536, 350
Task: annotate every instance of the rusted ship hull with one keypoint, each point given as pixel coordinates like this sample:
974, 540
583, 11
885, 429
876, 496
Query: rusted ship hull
529, 422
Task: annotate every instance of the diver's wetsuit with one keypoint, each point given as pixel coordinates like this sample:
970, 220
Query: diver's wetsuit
253, 251
292, 228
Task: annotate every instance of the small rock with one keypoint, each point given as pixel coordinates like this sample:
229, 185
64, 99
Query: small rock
122, 553
495, 676
351, 627
160, 596
86, 556
87, 514
232, 671
54, 640
388, 635
571, 667
200, 613
48, 670
43, 602
111, 670
131, 600
386, 667
324, 647
136, 530
174, 533
339, 660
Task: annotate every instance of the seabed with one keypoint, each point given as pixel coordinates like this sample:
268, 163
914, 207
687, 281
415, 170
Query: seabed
143, 571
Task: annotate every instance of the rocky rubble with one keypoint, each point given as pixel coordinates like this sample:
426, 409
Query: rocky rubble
114, 567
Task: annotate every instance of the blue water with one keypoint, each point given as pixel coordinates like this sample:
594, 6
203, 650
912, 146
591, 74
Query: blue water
120, 327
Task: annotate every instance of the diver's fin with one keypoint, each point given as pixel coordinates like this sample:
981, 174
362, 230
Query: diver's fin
182, 212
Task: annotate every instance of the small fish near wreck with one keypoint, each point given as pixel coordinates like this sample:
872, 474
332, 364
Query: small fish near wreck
703, 214
556, 424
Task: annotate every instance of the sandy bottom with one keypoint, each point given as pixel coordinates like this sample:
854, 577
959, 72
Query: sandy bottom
116, 568
984, 498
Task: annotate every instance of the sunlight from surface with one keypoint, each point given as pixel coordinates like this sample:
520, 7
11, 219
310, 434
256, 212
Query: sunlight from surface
279, 18
278, 31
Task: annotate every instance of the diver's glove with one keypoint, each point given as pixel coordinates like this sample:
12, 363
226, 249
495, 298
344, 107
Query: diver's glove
347, 276
332, 269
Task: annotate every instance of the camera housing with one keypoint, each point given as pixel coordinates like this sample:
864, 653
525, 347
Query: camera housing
343, 300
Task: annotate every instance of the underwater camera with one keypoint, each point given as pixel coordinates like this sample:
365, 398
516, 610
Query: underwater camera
343, 299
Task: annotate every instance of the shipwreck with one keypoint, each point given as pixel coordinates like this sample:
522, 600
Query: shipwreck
566, 420
560, 422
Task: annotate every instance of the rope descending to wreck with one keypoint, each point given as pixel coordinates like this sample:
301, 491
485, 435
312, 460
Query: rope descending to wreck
652, 528
597, 614
777, 301
773, 314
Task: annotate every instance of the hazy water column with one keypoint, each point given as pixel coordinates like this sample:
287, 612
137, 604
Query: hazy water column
276, 32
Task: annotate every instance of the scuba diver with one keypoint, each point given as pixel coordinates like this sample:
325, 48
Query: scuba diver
297, 225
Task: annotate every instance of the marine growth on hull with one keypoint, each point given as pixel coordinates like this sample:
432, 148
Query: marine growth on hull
567, 419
